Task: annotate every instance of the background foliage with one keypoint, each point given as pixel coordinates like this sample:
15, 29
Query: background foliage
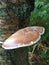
40, 16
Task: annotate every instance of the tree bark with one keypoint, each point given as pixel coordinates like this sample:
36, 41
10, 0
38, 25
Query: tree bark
18, 56
7, 27
10, 25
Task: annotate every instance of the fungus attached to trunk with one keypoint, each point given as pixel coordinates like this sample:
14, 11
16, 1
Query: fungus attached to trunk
20, 40
24, 37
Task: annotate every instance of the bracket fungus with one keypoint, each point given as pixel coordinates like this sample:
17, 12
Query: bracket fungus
23, 38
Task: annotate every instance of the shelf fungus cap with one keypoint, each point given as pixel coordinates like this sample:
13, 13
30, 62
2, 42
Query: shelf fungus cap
22, 38
39, 29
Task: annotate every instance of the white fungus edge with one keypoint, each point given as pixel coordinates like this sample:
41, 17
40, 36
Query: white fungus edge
40, 32
43, 31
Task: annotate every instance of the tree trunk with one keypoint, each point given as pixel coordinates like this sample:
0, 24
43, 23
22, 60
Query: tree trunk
8, 27
18, 56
